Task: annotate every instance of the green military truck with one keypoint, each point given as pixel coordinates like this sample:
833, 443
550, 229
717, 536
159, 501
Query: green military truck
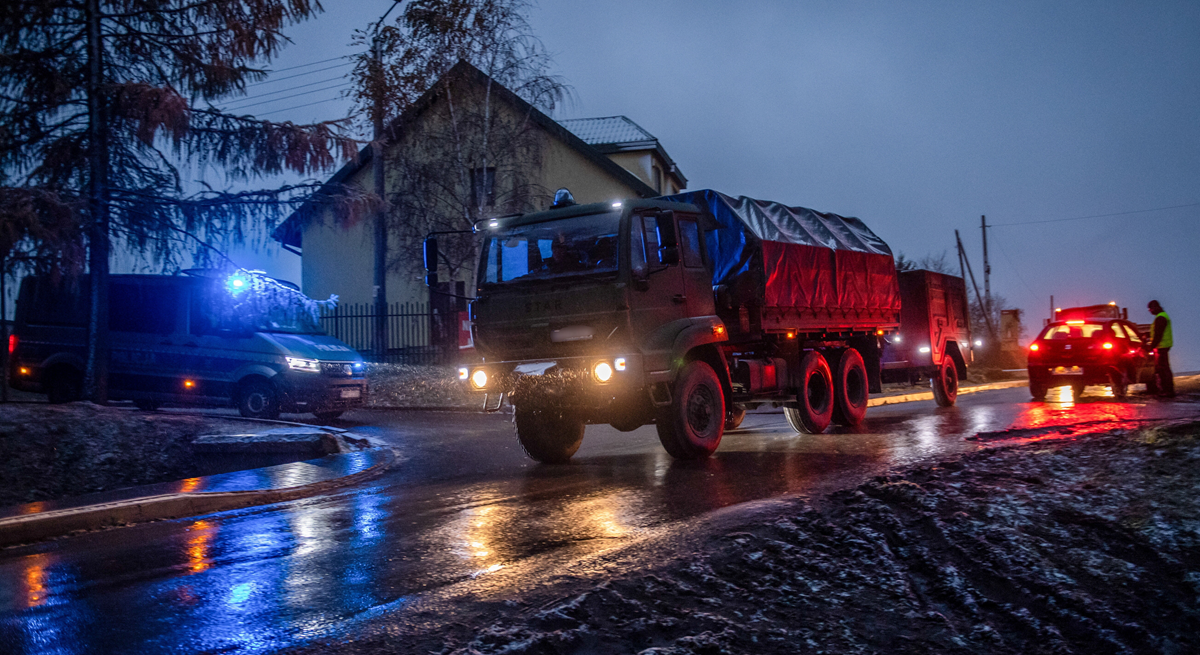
680, 311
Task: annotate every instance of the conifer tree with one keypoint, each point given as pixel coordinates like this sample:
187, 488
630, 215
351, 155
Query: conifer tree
107, 109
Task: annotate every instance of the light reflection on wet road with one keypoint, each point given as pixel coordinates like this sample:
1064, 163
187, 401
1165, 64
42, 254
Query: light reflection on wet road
463, 502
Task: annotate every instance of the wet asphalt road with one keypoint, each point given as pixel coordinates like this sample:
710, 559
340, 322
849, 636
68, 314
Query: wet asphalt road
462, 505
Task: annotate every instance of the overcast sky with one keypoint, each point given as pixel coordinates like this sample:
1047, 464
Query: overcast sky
916, 117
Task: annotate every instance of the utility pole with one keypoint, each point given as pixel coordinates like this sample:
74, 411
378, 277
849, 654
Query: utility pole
987, 319
380, 179
987, 269
95, 383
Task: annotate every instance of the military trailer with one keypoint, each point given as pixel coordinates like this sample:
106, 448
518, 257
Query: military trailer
681, 312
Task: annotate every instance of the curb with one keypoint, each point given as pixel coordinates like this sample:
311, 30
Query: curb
928, 395
56, 523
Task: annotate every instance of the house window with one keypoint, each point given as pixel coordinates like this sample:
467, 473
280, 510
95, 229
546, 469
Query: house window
483, 186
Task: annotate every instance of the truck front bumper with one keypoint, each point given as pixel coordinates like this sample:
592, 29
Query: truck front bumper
590, 385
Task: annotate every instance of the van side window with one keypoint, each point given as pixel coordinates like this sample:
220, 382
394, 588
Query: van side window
65, 303
142, 308
690, 234
203, 316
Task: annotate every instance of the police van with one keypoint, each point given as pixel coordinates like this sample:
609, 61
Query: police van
186, 340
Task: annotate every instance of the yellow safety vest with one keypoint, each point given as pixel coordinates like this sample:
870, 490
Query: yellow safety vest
1166, 340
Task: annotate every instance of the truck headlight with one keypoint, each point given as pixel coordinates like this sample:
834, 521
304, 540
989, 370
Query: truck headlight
479, 378
307, 365
603, 372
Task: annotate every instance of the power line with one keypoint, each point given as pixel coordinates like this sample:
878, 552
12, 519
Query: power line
292, 88
323, 61
280, 111
288, 77
1080, 218
297, 95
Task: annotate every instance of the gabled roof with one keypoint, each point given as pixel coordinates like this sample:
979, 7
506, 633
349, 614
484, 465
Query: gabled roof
611, 134
609, 130
289, 232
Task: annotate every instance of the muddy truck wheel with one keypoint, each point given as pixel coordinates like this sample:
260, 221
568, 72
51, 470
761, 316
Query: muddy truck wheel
850, 389
813, 409
945, 383
548, 436
692, 425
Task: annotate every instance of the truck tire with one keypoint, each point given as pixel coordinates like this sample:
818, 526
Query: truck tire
692, 425
65, 385
945, 383
734, 415
850, 392
813, 410
258, 399
548, 436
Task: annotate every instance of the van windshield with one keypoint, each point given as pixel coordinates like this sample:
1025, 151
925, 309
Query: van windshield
580, 245
215, 311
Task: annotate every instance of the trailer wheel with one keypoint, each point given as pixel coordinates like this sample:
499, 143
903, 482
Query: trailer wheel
850, 392
692, 425
814, 406
945, 383
548, 436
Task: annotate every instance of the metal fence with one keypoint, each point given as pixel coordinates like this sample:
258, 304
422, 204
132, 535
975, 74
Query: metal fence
408, 331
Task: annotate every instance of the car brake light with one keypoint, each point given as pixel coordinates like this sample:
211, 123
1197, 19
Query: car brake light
12, 343
1108, 345
1033, 347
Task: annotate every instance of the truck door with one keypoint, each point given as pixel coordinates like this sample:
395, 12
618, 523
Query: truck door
659, 295
939, 326
697, 280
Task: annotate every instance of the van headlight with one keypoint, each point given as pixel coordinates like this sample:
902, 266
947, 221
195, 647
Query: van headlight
308, 365
479, 378
603, 372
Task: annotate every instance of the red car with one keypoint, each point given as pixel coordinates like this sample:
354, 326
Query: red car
1082, 352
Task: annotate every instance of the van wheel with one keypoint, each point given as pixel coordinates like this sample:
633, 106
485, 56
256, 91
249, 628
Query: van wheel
850, 392
548, 436
329, 415
945, 383
692, 425
259, 400
813, 410
64, 386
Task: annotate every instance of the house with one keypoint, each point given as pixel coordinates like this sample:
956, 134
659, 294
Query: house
467, 150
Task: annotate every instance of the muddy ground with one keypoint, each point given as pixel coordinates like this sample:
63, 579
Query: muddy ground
1086, 543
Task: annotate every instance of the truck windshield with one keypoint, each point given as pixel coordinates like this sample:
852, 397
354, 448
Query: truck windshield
581, 245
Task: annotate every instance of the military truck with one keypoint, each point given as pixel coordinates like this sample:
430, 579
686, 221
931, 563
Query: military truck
680, 311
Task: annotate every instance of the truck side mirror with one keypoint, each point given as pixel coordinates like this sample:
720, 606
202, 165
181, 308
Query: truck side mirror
668, 245
431, 261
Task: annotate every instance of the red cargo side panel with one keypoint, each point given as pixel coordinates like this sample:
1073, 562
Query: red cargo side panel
800, 277
883, 285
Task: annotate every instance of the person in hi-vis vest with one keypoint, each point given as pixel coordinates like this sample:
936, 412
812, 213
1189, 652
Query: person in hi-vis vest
1160, 344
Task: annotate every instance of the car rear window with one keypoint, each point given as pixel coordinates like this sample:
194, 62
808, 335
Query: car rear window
1077, 331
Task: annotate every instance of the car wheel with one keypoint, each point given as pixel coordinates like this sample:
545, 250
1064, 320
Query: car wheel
258, 399
1117, 381
691, 427
64, 386
850, 393
548, 436
1037, 390
945, 383
1077, 390
329, 415
813, 409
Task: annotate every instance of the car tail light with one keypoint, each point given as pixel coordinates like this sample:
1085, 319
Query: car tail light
1108, 345
1034, 347
12, 343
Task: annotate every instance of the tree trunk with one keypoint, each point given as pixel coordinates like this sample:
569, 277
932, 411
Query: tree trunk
96, 375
